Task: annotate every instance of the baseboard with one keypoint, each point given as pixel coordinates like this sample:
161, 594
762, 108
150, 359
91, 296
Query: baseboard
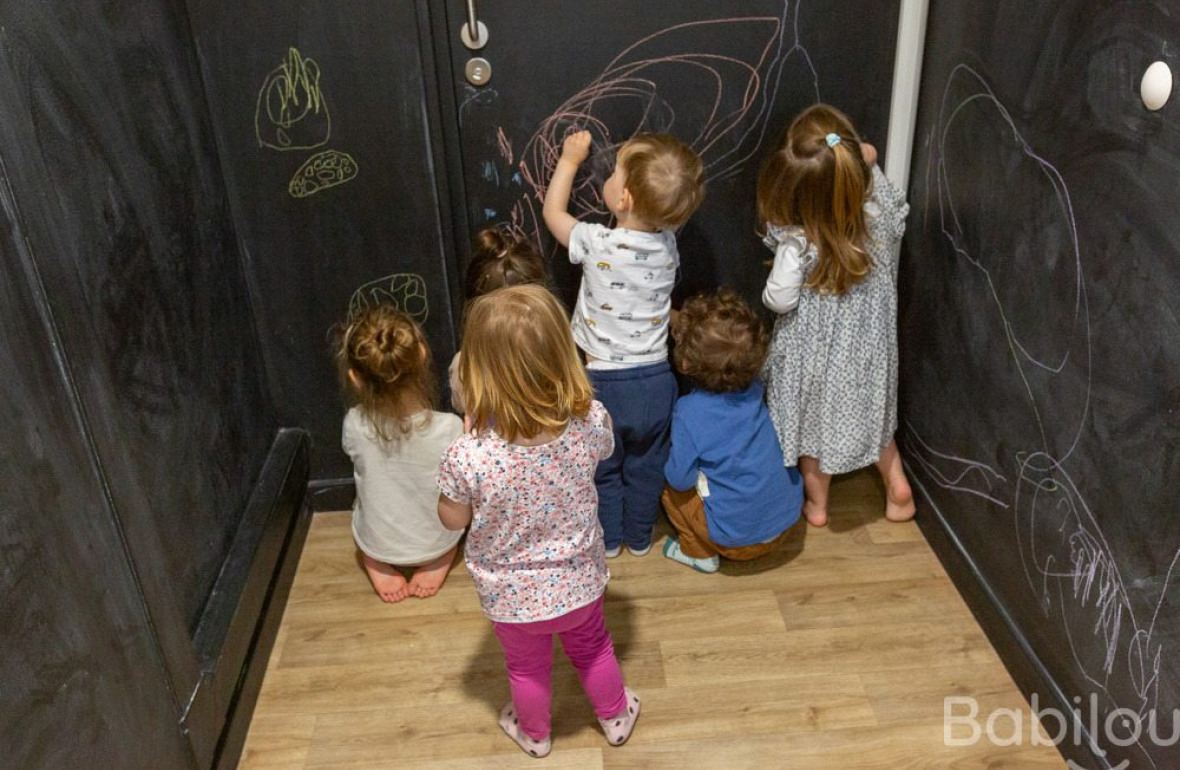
332, 494
236, 630
1017, 654
233, 738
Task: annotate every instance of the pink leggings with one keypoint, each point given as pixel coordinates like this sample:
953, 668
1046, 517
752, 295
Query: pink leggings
528, 656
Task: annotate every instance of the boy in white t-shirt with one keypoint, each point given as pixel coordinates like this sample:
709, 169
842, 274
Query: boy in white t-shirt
621, 318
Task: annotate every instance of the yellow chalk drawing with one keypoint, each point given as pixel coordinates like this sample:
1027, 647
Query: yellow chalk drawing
404, 291
292, 113
321, 171
603, 265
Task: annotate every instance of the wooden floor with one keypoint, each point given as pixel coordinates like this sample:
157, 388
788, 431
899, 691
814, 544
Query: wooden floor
834, 653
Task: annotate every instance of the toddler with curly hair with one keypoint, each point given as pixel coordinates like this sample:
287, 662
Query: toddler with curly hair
728, 492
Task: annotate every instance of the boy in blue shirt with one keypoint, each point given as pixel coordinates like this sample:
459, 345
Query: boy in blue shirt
728, 492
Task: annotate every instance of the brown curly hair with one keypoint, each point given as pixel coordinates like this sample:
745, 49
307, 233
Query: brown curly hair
499, 259
720, 342
385, 369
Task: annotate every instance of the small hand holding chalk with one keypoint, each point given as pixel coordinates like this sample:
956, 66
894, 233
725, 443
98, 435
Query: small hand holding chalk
576, 147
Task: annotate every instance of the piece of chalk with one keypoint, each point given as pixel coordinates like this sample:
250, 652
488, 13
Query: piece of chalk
1156, 86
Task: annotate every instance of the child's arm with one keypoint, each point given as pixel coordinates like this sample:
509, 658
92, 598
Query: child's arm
453, 515
683, 459
786, 277
456, 385
574, 150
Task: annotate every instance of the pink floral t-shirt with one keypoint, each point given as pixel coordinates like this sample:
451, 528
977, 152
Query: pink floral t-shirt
535, 546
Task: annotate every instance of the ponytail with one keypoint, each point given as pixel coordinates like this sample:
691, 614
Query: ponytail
818, 181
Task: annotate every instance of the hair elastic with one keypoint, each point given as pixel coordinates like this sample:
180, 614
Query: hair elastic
832, 139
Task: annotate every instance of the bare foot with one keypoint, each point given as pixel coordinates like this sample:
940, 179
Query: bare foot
387, 581
899, 501
429, 577
816, 516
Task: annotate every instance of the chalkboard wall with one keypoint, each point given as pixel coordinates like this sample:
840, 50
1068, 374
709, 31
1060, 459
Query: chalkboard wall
136, 414
78, 655
321, 113
1041, 340
725, 77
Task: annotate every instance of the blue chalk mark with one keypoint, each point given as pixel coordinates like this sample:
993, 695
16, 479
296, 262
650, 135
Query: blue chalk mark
516, 179
490, 173
489, 214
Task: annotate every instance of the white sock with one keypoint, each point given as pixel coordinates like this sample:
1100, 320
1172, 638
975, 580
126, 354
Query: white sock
673, 552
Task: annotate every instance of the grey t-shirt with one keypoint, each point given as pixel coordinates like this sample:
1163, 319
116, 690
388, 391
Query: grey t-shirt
395, 516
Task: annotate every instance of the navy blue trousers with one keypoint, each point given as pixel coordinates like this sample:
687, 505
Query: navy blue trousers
630, 481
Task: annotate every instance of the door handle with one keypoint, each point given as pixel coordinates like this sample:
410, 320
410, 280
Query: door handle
473, 33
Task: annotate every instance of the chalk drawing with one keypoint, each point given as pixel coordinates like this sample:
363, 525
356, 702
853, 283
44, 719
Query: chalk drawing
329, 168
738, 95
404, 291
291, 113
1070, 566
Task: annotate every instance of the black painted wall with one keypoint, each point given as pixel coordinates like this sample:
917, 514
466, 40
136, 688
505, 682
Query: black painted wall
136, 412
1041, 342
84, 683
727, 78
346, 92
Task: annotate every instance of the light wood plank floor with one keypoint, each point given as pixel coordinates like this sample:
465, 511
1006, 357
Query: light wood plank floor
836, 652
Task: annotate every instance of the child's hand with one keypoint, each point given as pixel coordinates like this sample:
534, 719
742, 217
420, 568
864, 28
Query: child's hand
869, 152
576, 147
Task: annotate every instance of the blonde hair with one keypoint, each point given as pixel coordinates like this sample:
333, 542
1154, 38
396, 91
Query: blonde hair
520, 371
665, 178
821, 186
389, 361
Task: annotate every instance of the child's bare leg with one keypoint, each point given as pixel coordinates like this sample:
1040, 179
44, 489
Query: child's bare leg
899, 498
429, 577
815, 488
387, 581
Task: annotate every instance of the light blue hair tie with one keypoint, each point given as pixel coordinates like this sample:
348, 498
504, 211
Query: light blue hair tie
832, 139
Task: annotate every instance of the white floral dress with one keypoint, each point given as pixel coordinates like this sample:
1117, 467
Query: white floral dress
831, 374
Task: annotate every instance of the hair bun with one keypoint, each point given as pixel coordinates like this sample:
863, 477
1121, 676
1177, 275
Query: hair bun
491, 243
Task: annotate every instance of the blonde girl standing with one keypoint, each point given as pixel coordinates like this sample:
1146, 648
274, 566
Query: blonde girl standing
523, 478
834, 223
395, 440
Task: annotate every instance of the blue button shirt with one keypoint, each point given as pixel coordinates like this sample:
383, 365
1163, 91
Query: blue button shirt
729, 437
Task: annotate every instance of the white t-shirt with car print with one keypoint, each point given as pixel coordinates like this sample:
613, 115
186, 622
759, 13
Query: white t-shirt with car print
621, 317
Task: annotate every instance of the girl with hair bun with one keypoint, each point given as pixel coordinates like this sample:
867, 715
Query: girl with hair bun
395, 440
498, 259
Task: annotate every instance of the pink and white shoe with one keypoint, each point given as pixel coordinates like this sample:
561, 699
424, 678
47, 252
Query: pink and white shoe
511, 727
618, 728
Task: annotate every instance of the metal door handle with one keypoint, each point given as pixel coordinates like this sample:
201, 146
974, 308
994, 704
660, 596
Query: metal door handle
473, 33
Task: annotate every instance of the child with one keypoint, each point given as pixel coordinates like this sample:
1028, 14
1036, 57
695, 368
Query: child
498, 259
834, 224
728, 492
395, 441
621, 317
524, 480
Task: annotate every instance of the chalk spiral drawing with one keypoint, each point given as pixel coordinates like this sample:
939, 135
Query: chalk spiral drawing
321, 171
1070, 566
404, 291
292, 114
739, 95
